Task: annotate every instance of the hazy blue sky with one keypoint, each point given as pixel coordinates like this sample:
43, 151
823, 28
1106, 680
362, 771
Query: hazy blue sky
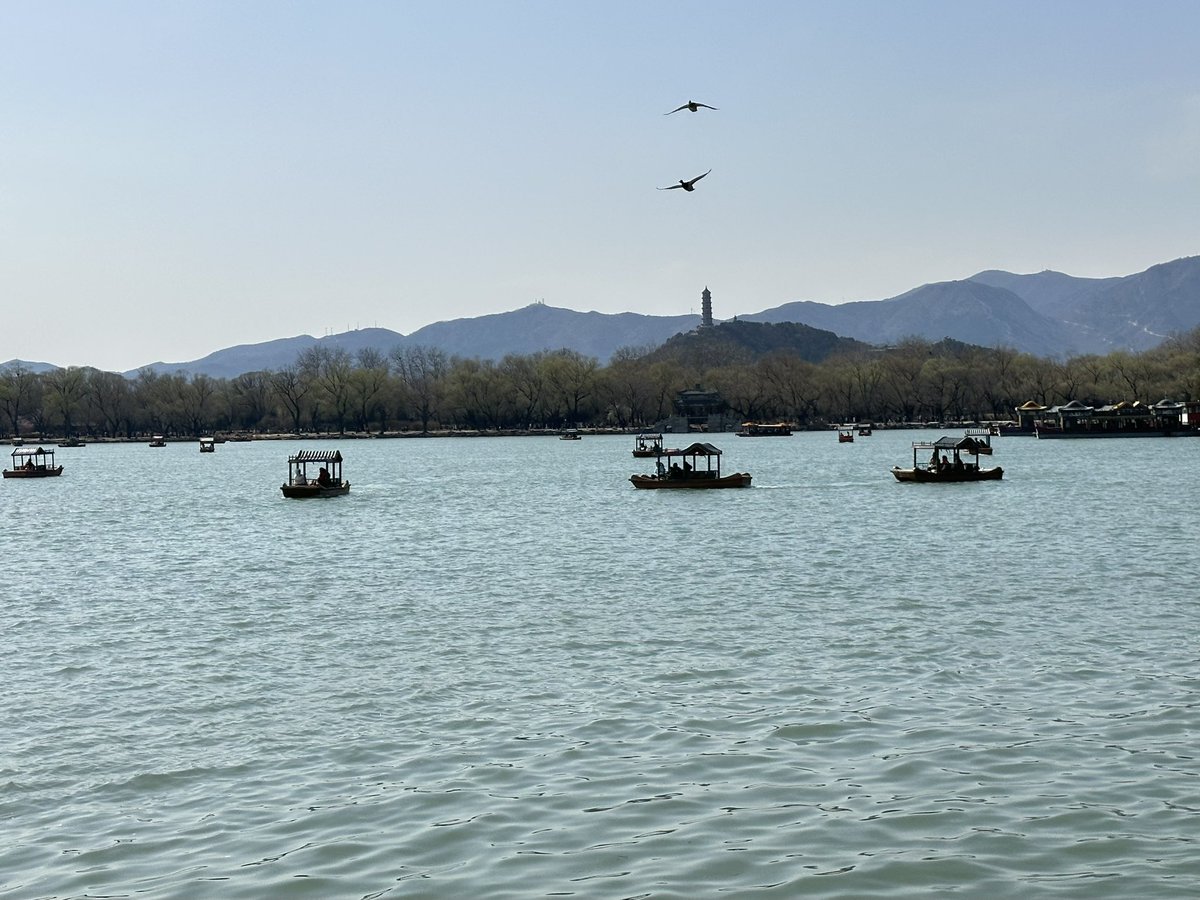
177, 177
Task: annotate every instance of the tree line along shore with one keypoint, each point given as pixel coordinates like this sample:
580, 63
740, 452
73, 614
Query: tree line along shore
422, 391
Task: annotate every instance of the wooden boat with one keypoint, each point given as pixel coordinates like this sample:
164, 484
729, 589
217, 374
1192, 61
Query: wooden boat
864, 431
72, 442
327, 483
982, 438
681, 469
756, 429
946, 463
647, 445
37, 463
157, 441
845, 436
207, 445
570, 436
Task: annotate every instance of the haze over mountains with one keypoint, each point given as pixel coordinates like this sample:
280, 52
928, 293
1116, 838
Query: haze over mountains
1048, 314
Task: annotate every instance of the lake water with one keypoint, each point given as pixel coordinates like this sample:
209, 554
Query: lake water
495, 669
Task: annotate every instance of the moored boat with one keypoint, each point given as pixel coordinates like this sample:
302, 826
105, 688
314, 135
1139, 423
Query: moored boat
681, 469
328, 481
946, 462
29, 463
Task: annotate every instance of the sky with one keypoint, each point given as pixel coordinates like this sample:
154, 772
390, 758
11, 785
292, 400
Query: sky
176, 178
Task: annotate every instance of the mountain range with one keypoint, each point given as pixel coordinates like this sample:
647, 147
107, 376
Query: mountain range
1047, 314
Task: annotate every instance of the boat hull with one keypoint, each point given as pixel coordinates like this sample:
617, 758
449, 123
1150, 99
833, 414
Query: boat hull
305, 491
925, 476
653, 482
33, 473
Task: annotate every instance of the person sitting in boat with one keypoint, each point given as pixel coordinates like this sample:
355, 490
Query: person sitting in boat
945, 461
662, 470
323, 477
299, 479
676, 472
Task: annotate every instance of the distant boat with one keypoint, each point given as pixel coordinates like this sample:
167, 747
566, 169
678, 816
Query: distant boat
845, 436
647, 445
157, 441
72, 442
207, 445
689, 475
864, 431
327, 483
571, 435
946, 463
756, 429
37, 463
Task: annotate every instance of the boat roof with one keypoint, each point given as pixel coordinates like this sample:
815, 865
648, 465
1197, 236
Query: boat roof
316, 456
945, 442
27, 451
697, 449
647, 436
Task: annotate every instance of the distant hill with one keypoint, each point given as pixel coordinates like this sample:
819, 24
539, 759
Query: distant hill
741, 341
36, 367
528, 330
540, 327
1047, 314
967, 311
275, 355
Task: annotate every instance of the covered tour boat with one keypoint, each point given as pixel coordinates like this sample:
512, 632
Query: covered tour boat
647, 445
207, 445
571, 435
682, 469
845, 436
758, 429
946, 462
326, 483
28, 463
157, 440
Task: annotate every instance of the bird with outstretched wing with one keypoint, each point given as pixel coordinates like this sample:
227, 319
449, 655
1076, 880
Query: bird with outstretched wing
689, 185
690, 106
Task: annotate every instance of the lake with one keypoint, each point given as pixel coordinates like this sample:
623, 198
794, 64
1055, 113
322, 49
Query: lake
495, 669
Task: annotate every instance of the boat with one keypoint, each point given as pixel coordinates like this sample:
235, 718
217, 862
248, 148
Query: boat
570, 436
72, 442
646, 445
207, 445
1167, 418
983, 438
681, 469
757, 429
157, 441
37, 463
327, 483
845, 436
946, 463
864, 431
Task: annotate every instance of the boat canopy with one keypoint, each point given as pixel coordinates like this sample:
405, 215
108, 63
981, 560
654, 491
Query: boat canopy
334, 456
697, 449
967, 444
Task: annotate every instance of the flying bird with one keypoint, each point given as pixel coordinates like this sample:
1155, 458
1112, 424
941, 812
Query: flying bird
690, 106
689, 185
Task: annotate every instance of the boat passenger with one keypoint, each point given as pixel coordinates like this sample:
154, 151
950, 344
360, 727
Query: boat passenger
299, 479
662, 470
676, 472
323, 477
